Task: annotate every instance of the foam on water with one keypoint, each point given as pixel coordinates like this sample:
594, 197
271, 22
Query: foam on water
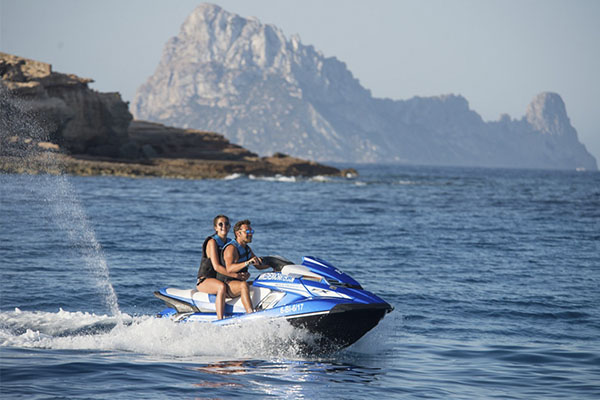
321, 178
279, 178
406, 182
234, 176
54, 324
147, 335
276, 178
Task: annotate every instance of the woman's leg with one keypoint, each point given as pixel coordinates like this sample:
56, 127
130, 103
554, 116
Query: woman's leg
240, 288
215, 286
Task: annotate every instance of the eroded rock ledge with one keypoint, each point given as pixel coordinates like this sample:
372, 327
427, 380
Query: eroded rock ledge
53, 123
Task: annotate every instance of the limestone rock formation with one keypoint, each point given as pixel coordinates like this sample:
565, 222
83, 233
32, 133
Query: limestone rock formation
246, 80
547, 114
72, 115
52, 122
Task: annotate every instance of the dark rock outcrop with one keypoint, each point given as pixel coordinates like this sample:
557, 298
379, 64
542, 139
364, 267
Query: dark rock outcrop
74, 116
90, 133
244, 79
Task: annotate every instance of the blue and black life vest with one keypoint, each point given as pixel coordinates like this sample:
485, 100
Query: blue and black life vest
244, 255
206, 269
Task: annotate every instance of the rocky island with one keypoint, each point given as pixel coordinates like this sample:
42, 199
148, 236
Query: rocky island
267, 92
54, 123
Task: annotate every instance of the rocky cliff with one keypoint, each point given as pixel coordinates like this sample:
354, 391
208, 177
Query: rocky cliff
90, 133
245, 79
72, 115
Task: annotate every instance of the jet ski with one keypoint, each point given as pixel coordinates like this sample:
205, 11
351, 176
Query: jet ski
313, 295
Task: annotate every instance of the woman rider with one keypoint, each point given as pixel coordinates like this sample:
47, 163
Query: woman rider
211, 264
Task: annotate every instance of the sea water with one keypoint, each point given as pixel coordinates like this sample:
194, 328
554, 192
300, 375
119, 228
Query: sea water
494, 276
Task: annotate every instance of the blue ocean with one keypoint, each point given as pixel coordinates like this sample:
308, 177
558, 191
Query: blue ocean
493, 274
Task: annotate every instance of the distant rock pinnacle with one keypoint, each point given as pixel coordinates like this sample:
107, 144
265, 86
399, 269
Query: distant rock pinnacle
547, 114
246, 80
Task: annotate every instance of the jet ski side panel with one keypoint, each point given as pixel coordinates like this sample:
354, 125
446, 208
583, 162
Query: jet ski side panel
193, 301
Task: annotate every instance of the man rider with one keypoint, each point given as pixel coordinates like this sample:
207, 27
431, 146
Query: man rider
237, 256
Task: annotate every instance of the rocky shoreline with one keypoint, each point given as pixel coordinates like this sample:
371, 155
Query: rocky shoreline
54, 123
166, 152
161, 168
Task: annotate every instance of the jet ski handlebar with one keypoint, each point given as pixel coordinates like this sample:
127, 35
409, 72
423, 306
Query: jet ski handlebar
276, 262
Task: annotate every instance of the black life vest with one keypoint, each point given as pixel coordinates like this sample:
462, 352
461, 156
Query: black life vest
206, 269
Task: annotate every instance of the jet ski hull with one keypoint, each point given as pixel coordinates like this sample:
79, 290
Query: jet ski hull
343, 325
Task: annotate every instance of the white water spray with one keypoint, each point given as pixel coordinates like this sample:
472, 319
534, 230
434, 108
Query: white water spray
146, 335
68, 213
70, 217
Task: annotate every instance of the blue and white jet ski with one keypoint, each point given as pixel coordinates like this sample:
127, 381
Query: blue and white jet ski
313, 295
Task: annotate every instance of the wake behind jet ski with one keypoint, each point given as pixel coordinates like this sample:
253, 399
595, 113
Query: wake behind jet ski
313, 295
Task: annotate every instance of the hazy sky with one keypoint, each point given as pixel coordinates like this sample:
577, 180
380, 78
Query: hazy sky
498, 54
